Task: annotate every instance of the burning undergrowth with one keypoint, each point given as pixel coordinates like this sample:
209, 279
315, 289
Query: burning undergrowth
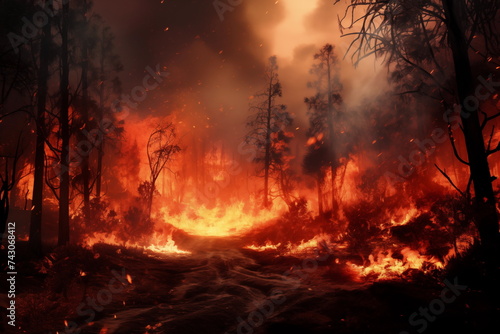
375, 242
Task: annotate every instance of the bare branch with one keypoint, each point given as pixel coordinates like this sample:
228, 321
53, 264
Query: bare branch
449, 180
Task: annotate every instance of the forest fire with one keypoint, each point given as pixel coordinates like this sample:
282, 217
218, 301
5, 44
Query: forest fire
275, 167
230, 220
158, 244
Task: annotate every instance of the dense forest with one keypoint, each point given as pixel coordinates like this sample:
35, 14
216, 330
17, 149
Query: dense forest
249, 167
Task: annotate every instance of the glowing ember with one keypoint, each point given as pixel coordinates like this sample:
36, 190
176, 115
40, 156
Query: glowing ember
159, 244
308, 247
220, 221
267, 246
384, 266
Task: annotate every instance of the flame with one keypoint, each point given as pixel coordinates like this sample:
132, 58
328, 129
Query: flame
303, 248
233, 219
384, 266
159, 243
267, 246
404, 215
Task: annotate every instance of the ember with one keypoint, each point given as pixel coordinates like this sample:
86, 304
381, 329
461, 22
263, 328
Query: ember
250, 166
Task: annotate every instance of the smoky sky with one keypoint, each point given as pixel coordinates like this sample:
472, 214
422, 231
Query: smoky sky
217, 65
194, 33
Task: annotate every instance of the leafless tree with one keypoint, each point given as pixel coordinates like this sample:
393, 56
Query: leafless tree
417, 38
268, 123
162, 146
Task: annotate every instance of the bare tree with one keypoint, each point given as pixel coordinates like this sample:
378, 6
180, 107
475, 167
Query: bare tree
108, 85
84, 108
162, 146
416, 39
324, 111
65, 132
268, 123
35, 237
10, 174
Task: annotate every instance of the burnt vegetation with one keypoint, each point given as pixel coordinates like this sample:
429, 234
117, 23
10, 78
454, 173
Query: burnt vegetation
388, 196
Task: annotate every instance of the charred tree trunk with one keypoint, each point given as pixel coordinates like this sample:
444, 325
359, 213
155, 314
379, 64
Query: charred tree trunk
284, 189
267, 161
85, 120
65, 133
100, 146
319, 180
486, 213
330, 129
35, 238
7, 184
150, 194
100, 158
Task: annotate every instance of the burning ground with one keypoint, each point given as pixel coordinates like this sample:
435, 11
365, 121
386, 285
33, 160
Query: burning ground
218, 286
250, 167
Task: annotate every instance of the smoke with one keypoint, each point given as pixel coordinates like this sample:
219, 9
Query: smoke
216, 66
221, 63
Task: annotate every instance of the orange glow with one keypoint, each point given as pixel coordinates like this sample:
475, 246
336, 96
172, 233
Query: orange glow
231, 219
159, 244
384, 266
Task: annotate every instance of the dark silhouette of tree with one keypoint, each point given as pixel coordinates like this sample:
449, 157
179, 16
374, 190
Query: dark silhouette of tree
73, 137
17, 71
162, 146
268, 124
17, 86
417, 37
84, 107
35, 238
99, 84
64, 191
10, 174
108, 85
324, 112
314, 162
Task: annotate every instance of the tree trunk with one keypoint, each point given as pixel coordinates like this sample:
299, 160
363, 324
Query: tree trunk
330, 129
486, 213
35, 238
100, 146
150, 199
267, 162
319, 180
284, 191
65, 135
85, 120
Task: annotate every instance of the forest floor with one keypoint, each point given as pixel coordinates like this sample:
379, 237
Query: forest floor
223, 288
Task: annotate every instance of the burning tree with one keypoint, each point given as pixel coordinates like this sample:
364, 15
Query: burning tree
417, 37
161, 147
268, 124
74, 127
17, 82
43, 75
324, 112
